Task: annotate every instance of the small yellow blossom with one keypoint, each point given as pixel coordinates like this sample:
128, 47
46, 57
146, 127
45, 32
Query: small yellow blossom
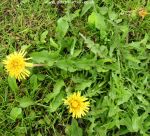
77, 104
16, 64
143, 12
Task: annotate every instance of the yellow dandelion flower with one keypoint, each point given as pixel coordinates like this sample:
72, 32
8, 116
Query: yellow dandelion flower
16, 64
143, 12
77, 104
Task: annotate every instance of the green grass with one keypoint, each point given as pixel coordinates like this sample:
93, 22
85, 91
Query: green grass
100, 49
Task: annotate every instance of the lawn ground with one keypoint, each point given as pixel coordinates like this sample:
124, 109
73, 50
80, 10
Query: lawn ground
100, 48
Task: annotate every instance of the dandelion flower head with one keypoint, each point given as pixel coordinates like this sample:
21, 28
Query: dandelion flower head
77, 104
16, 65
143, 12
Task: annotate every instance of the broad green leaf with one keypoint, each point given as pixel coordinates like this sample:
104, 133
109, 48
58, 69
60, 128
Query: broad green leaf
142, 99
83, 85
95, 48
25, 1
84, 64
40, 57
148, 46
45, 57
103, 10
1, 67
92, 126
26, 47
101, 69
39, 134
73, 46
134, 14
110, 125
47, 119
146, 38
118, 21
113, 110
127, 122
12, 83
33, 82
116, 80
100, 22
124, 96
91, 19
67, 130
71, 17
136, 123
57, 87
20, 130
103, 51
117, 121
66, 64
76, 52
85, 8
101, 131
53, 43
125, 30
132, 58
15, 112
41, 77
112, 15
62, 27
26, 102
56, 90
43, 36
57, 102
74, 129
134, 45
